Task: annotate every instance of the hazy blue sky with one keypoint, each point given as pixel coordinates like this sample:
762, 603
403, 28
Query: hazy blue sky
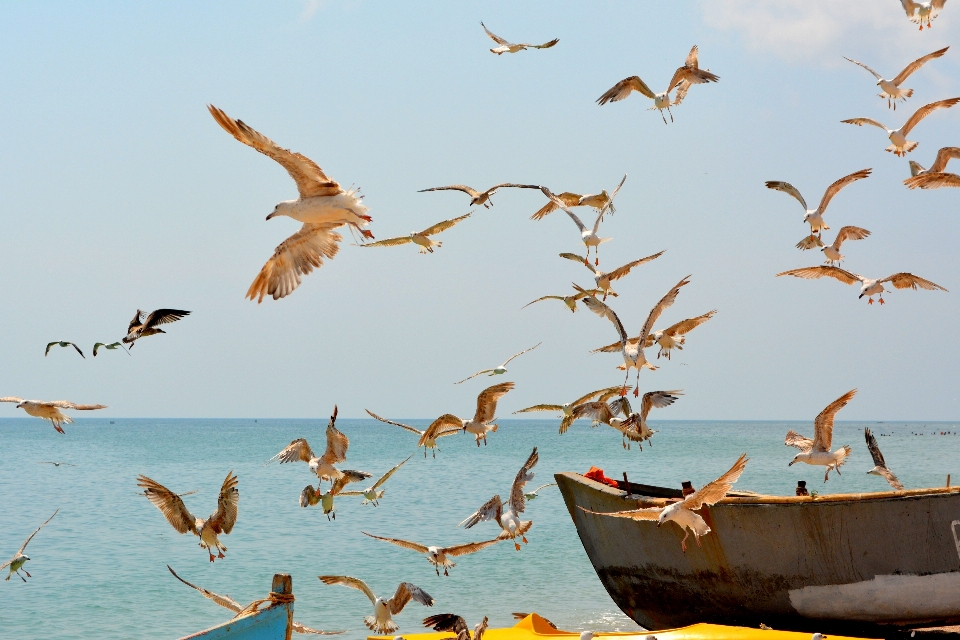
119, 191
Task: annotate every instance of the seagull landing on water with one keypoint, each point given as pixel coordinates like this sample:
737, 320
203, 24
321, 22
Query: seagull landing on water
918, 13
480, 197
832, 252
566, 409
15, 564
446, 425
604, 279
814, 217
868, 287
420, 238
323, 466
817, 451
322, 206
439, 556
502, 369
900, 146
372, 494
509, 518
681, 512
879, 466
141, 327
602, 202
509, 47
456, 624
589, 236
50, 409
890, 89
383, 610
62, 343
936, 176
673, 337
486, 412
570, 301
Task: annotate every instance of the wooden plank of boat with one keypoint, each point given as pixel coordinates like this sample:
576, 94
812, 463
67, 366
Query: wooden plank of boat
860, 563
273, 623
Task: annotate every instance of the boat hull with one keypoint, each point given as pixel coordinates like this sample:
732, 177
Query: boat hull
829, 564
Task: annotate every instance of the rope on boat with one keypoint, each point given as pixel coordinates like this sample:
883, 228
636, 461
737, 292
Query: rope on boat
274, 599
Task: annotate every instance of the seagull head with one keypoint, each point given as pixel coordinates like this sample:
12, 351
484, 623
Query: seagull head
875, 472
282, 209
798, 458
20, 406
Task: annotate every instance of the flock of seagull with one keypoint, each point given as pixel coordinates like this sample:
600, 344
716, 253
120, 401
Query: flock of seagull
322, 206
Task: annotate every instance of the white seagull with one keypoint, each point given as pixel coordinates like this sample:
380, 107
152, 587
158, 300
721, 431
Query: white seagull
509, 518
604, 279
502, 369
602, 202
456, 624
817, 451
382, 621
832, 251
446, 425
936, 176
50, 409
486, 412
420, 238
589, 236
868, 287
323, 466
879, 466
900, 146
373, 493
439, 556
890, 89
508, 47
15, 564
673, 337
918, 12
682, 512
814, 217
480, 197
323, 206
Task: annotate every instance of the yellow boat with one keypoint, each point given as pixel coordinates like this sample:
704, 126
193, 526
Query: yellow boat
533, 626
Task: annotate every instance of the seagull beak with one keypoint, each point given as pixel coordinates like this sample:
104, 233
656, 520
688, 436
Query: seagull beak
271, 215
790, 464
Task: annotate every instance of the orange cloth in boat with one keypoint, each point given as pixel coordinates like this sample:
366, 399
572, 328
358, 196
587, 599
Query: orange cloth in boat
597, 475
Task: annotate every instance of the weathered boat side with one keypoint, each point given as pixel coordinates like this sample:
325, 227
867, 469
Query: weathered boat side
831, 564
272, 623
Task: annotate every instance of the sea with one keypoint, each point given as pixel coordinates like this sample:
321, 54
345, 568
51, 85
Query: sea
100, 567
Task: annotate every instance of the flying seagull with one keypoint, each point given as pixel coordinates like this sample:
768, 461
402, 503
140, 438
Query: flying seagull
832, 251
63, 343
868, 287
508, 47
604, 279
420, 238
373, 493
112, 346
600, 412
890, 89
176, 513
682, 512
323, 206
673, 337
814, 217
323, 466
509, 518
229, 603
50, 409
690, 73
570, 301
817, 451
445, 425
588, 235
918, 12
566, 409
635, 426
19, 559
900, 146
879, 466
141, 328
936, 176
502, 369
480, 197
311, 497
56, 464
602, 202
382, 621
456, 624
485, 414
439, 556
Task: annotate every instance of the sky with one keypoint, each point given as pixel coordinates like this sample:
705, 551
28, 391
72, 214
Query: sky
118, 191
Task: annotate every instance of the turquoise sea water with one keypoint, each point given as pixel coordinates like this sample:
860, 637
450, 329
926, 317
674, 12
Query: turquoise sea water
99, 567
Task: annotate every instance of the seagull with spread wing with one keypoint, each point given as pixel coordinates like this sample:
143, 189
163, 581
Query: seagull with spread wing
383, 610
566, 409
918, 12
814, 217
635, 428
456, 624
220, 521
604, 278
682, 513
533, 495
502, 369
56, 464
373, 493
936, 176
112, 346
832, 251
439, 556
446, 425
588, 235
868, 287
229, 603
322, 206
508, 519
601, 412
817, 451
141, 327
420, 238
15, 564
50, 409
673, 337
689, 74
890, 89
311, 497
900, 146
480, 197
570, 301
879, 466
63, 343
323, 466
602, 202
509, 47
486, 412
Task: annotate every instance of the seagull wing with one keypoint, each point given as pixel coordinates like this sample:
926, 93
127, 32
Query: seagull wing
648, 513
441, 427
443, 226
916, 64
665, 302
541, 407
712, 492
823, 423
545, 45
943, 157
494, 36
580, 259
517, 500
65, 404
224, 601
311, 180
296, 450
490, 510
874, 449
692, 58
620, 405
11, 399
296, 256
169, 504
520, 354
909, 6
849, 233
386, 476
406, 544
30, 537
598, 392
504, 185
924, 111
691, 75
223, 519
862, 121
353, 583
878, 76
787, 188
840, 184
613, 347
473, 193
478, 373
46, 352
337, 444
163, 316
657, 400
624, 88
406, 592
135, 323
541, 299
619, 272
810, 242
890, 478
933, 181
487, 401
794, 439
910, 281
569, 199
604, 311
813, 273
470, 547
389, 242
686, 326
448, 622
598, 411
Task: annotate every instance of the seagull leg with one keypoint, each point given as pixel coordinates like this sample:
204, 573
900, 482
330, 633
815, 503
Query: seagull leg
445, 572
517, 545
664, 117
869, 300
881, 299
524, 538
437, 568
683, 543
19, 576
670, 112
211, 555
28, 573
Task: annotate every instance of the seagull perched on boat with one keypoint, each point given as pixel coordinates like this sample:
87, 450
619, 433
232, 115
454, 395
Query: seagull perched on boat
439, 556
918, 12
868, 287
141, 327
602, 202
604, 278
480, 197
485, 414
890, 89
566, 409
15, 564
673, 337
373, 493
382, 621
879, 466
633, 356
690, 73
814, 217
682, 512
832, 251
323, 466
63, 343
900, 146
509, 47
936, 176
570, 301
229, 603
176, 513
502, 369
50, 409
311, 497
446, 425
456, 624
112, 346
420, 238
589, 236
322, 206
509, 518
817, 451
